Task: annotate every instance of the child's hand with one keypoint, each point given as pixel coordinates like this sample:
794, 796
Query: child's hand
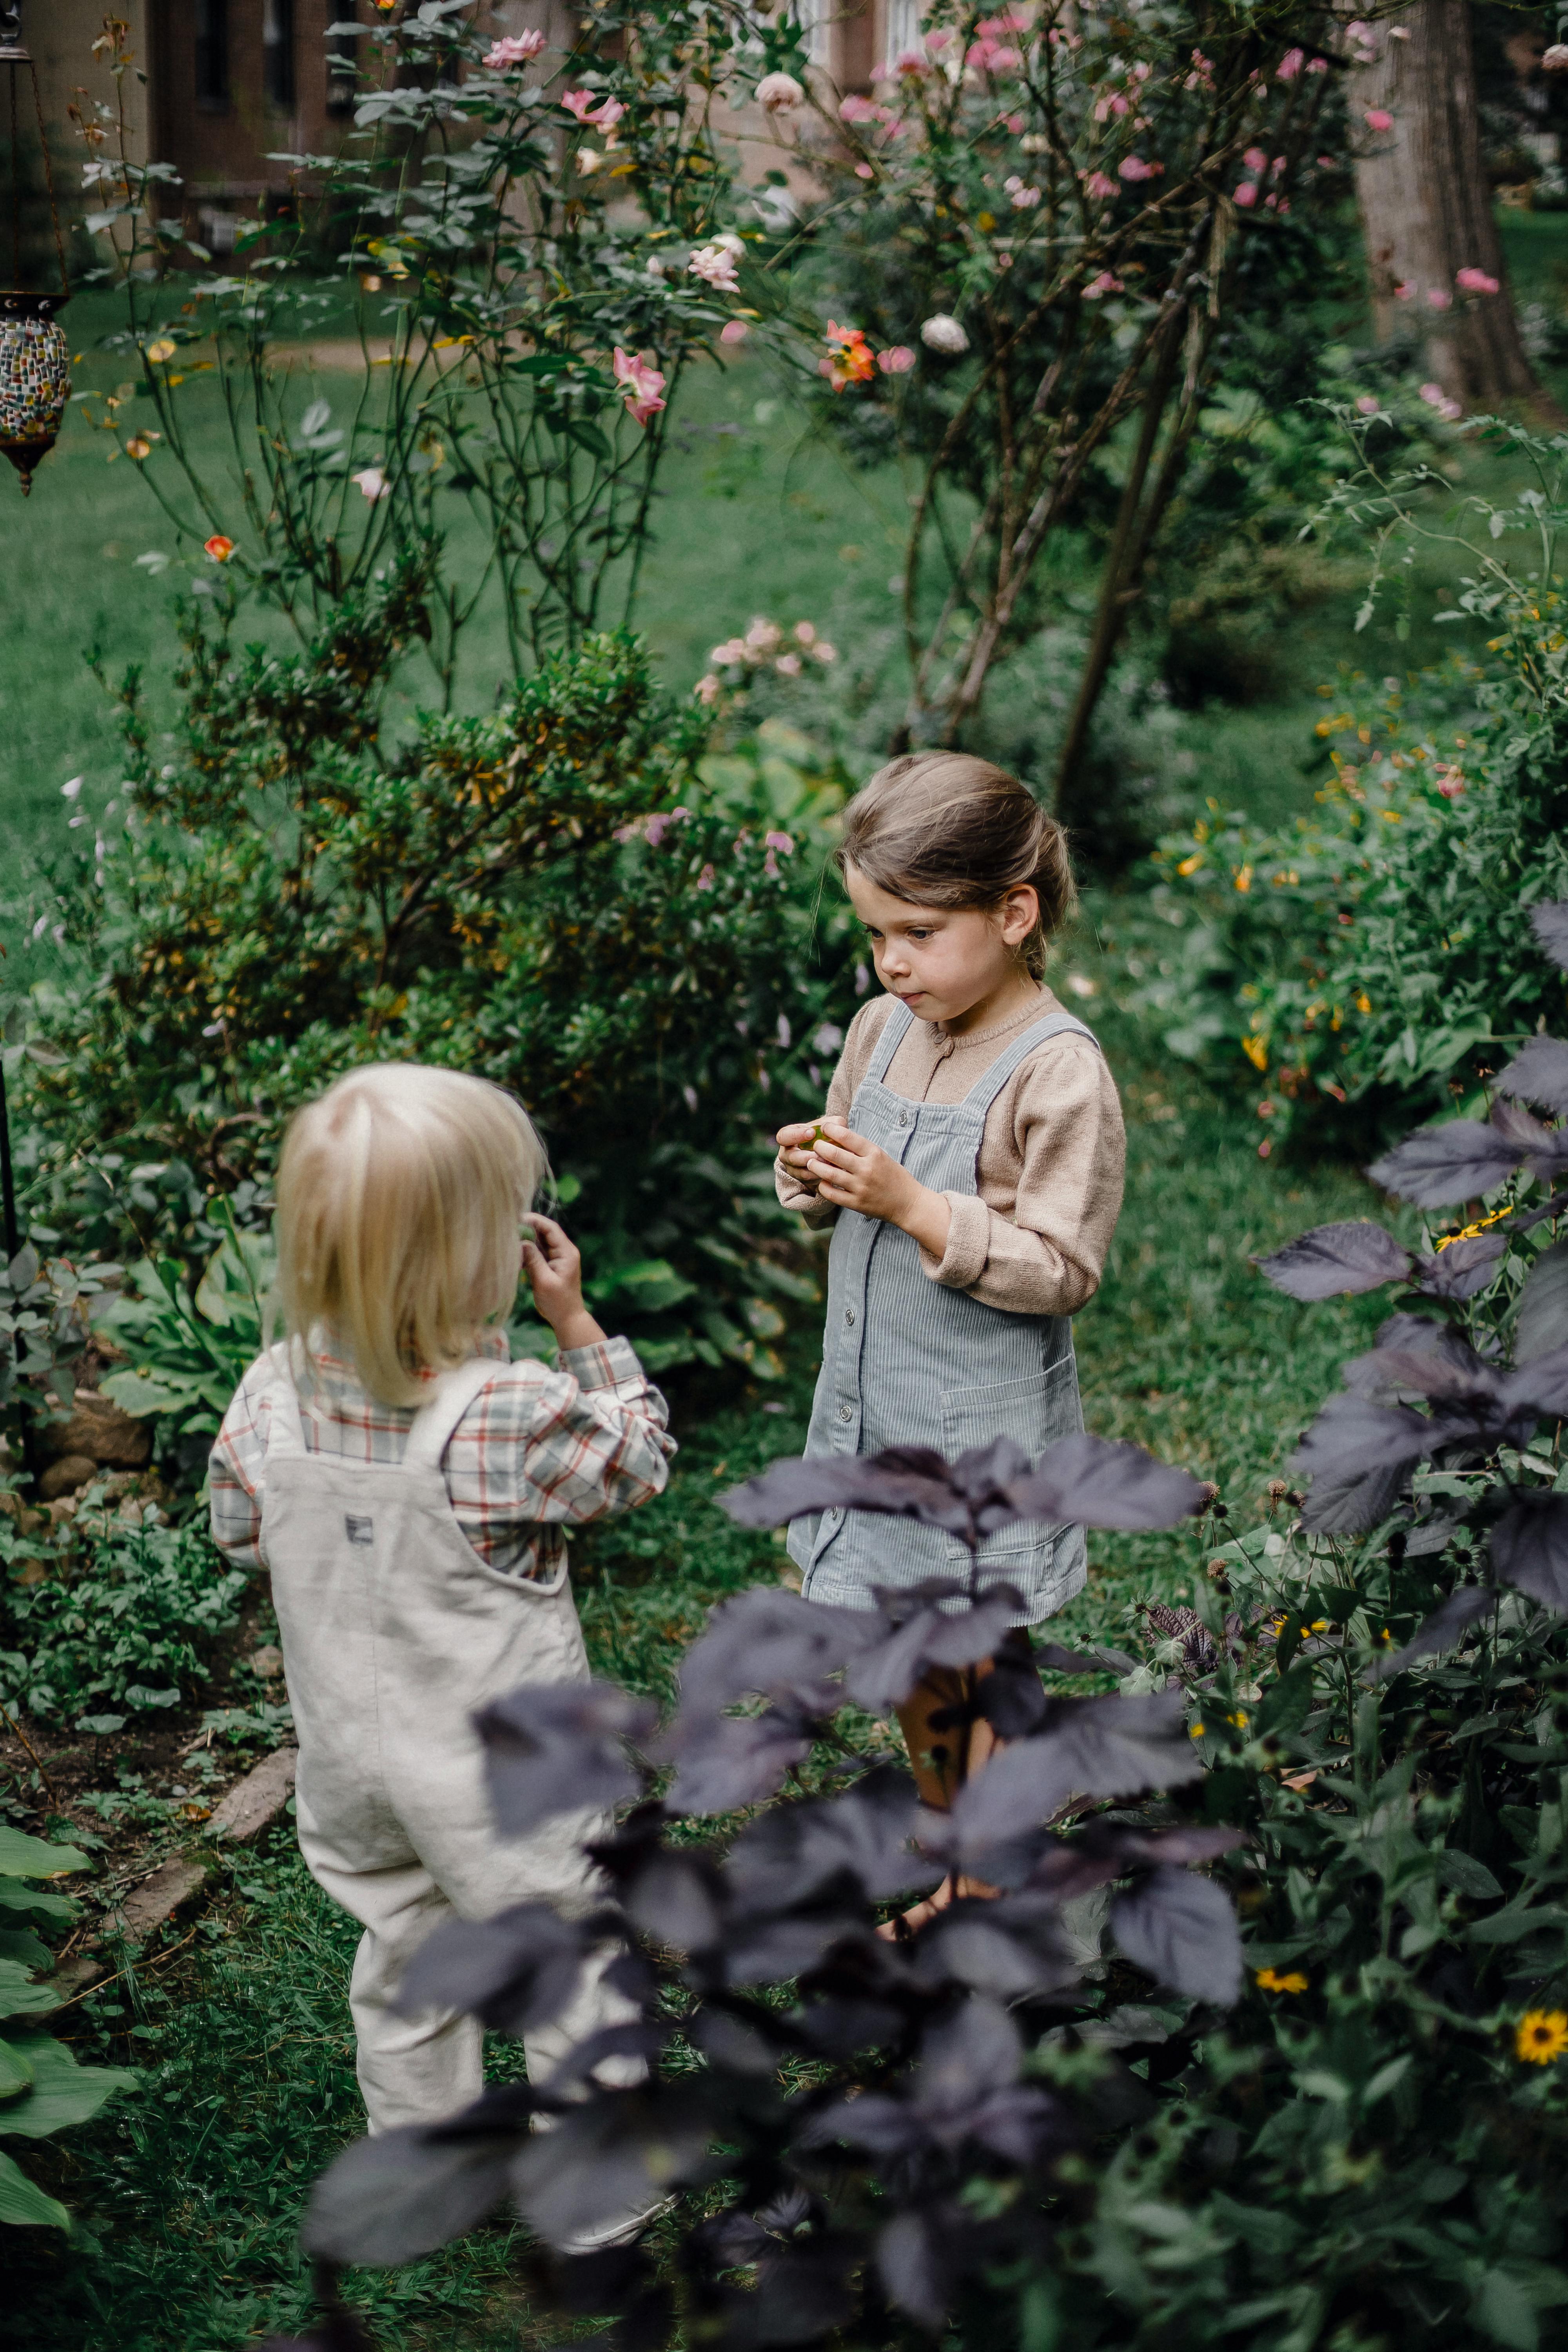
854, 1173
554, 1269
796, 1145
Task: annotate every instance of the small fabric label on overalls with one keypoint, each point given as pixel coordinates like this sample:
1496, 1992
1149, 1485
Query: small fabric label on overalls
358, 1530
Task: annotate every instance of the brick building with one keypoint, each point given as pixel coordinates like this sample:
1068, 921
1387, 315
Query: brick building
230, 83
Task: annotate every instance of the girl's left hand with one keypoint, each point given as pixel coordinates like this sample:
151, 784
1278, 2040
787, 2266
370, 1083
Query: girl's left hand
854, 1173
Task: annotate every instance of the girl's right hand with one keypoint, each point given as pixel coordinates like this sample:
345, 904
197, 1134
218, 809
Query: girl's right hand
796, 1145
554, 1269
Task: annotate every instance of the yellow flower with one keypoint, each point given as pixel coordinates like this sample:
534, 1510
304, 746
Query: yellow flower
1196, 1732
1239, 1718
1257, 1051
159, 352
1244, 877
1540, 2036
1272, 1981
1364, 1002
1189, 865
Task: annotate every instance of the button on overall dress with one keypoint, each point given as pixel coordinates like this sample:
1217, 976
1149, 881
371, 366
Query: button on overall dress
909, 1361
395, 1632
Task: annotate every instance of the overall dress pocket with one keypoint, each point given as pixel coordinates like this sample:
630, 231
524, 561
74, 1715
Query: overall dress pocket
1033, 1411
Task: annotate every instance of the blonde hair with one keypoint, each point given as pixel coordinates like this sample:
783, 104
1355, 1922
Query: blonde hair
943, 829
399, 1196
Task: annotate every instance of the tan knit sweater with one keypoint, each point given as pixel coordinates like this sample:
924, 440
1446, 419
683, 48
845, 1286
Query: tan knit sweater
1034, 1238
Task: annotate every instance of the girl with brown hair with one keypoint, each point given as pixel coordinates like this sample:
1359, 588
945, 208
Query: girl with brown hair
970, 1161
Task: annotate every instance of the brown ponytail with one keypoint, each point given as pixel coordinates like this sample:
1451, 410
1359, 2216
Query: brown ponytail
941, 829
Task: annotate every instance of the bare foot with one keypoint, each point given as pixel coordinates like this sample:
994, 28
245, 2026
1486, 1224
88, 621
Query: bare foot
919, 1915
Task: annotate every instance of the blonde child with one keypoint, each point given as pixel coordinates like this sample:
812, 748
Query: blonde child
970, 1161
409, 1488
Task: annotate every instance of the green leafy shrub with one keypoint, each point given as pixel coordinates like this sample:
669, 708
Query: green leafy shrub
189, 1352
125, 1613
569, 897
1377, 950
43, 2090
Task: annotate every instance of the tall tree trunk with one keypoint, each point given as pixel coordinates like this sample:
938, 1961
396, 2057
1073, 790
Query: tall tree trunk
1426, 210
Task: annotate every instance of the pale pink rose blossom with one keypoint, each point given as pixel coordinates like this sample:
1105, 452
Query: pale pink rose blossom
1378, 118
373, 482
897, 359
1450, 781
1104, 284
854, 108
1097, 185
707, 688
822, 652
1367, 405
1317, 65
1440, 298
1254, 158
1476, 281
513, 49
1133, 167
780, 93
641, 385
715, 264
1246, 195
1023, 198
803, 634
734, 331
706, 879
1290, 65
788, 665
784, 841
1404, 291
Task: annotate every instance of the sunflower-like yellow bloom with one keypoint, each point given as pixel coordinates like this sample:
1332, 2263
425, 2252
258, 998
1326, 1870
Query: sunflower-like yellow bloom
1541, 2035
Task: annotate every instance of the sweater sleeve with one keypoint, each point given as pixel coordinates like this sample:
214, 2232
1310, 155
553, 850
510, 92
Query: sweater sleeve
853, 1062
1048, 1257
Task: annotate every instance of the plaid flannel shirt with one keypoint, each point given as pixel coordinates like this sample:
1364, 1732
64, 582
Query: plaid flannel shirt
540, 1448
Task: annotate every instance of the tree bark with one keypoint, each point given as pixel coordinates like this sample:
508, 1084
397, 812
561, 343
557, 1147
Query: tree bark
1426, 211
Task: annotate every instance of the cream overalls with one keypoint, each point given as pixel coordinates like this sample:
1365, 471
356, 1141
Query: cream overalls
395, 1632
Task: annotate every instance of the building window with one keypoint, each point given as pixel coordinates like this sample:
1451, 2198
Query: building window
212, 53
815, 18
278, 52
904, 28
342, 64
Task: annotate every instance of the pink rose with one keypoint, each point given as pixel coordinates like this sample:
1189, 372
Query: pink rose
1097, 185
1133, 167
1440, 298
734, 331
1256, 160
1378, 118
1476, 281
1104, 284
1366, 406
513, 49
1246, 195
641, 385
1290, 65
897, 359
854, 109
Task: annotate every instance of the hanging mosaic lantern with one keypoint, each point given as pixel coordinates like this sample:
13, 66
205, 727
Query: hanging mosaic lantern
34, 373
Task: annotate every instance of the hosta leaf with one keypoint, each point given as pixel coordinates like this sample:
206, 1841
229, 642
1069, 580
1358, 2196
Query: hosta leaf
31, 1857
16, 2075
140, 1394
24, 2204
63, 2092
1458, 1161
1335, 1259
19, 1995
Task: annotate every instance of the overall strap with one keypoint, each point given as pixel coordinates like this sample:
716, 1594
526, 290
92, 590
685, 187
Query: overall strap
285, 1435
985, 1089
434, 1423
894, 1029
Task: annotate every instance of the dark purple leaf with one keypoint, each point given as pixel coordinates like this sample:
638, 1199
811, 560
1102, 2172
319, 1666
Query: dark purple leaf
771, 1642
801, 2295
1458, 1161
914, 2263
729, 2042
559, 1747
1093, 1481
677, 1899
1541, 1328
965, 2089
907, 1482
1349, 1505
1442, 1629
1462, 1270
1012, 1697
881, 1676
1550, 924
1530, 1548
1181, 1930
1539, 1389
610, 2161
515, 1971
1335, 1259
403, 2194
1010, 1948
1537, 1074
1351, 1437
1098, 1748
737, 1759
791, 1856
777, 1950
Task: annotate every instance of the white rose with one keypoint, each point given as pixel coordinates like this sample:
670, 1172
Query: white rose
780, 93
943, 334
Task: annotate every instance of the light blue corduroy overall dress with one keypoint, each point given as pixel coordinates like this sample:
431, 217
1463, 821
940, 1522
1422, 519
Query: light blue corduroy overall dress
909, 1361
